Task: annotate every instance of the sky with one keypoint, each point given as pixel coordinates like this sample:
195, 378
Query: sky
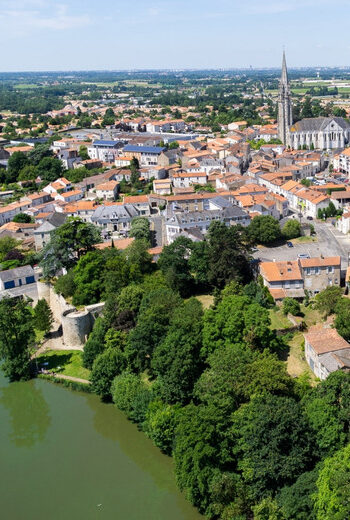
39, 35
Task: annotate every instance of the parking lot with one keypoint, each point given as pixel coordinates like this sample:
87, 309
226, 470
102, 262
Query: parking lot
329, 242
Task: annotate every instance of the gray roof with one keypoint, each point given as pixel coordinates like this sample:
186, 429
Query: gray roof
18, 272
52, 222
115, 212
316, 124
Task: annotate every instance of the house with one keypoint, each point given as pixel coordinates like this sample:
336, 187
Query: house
326, 351
43, 232
162, 186
16, 277
107, 190
37, 198
104, 150
342, 162
293, 277
141, 203
61, 184
146, 155
70, 196
185, 180
122, 161
8, 212
115, 218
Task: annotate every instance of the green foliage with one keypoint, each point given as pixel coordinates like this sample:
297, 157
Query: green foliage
67, 244
43, 317
327, 300
65, 284
105, 368
137, 255
342, 319
291, 306
140, 229
160, 424
268, 510
264, 229
95, 344
16, 163
228, 252
16, 338
88, 274
22, 218
291, 229
154, 318
272, 443
333, 487
296, 501
176, 360
174, 264
237, 319
83, 153
328, 411
131, 396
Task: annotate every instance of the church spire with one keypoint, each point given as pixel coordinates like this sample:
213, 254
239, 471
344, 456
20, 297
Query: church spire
284, 75
285, 118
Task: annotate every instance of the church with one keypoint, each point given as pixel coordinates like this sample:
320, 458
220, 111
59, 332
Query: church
321, 133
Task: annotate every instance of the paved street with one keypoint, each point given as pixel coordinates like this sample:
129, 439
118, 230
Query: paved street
330, 242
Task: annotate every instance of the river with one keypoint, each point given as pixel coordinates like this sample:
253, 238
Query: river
65, 455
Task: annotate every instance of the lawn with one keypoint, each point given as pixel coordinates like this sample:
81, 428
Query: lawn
206, 300
304, 239
67, 362
279, 320
296, 362
311, 316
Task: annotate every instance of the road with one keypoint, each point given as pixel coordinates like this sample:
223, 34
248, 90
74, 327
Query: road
157, 226
330, 242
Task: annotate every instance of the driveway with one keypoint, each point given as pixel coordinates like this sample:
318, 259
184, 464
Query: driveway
330, 242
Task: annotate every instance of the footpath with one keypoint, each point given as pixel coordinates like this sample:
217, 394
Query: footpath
63, 376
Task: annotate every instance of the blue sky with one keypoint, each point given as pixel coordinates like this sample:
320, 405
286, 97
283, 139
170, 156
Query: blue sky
139, 34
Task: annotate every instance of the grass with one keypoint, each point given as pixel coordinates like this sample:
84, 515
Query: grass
206, 300
296, 362
304, 239
311, 316
279, 320
69, 361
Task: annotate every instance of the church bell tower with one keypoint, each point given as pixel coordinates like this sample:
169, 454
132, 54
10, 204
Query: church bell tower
285, 116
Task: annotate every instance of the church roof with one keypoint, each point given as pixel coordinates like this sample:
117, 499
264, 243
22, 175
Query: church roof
316, 124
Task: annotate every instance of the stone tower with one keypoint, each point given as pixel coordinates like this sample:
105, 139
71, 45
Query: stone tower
285, 116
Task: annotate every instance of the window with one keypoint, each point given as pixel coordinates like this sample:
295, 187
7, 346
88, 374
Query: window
330, 269
317, 270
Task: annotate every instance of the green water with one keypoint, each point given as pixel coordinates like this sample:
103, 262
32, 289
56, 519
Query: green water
64, 455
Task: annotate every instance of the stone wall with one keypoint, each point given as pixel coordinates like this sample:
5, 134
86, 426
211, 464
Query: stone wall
76, 325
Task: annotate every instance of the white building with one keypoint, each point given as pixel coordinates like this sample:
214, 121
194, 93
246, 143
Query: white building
326, 351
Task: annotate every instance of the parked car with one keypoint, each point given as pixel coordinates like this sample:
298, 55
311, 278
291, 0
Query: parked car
290, 244
304, 255
310, 218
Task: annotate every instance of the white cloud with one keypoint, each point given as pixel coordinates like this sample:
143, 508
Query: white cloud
24, 16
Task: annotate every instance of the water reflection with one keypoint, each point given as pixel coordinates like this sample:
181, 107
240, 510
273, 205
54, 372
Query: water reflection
29, 413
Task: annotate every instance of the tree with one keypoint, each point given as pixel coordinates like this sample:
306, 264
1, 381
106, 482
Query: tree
39, 152
264, 229
291, 229
131, 396
174, 264
16, 163
49, 169
140, 229
65, 284
228, 255
22, 218
137, 255
176, 360
83, 153
333, 487
88, 274
327, 409
109, 117
105, 368
16, 338
43, 317
95, 344
296, 500
67, 244
7, 244
160, 425
291, 306
342, 319
306, 110
272, 443
156, 311
327, 300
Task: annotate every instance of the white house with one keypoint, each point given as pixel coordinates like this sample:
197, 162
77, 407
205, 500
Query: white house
326, 351
185, 180
107, 190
